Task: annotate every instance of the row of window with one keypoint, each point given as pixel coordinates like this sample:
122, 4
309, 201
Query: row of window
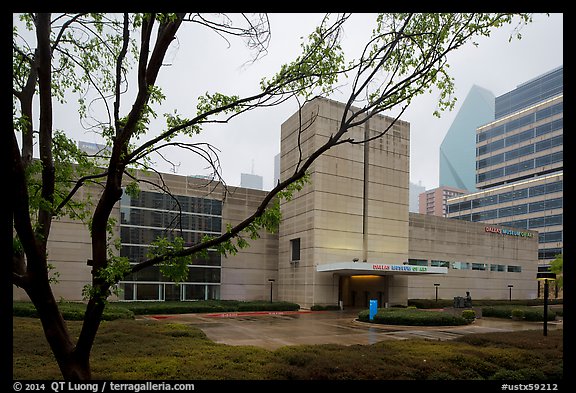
167, 219
549, 253
145, 236
466, 265
520, 122
137, 253
523, 136
132, 291
520, 152
514, 195
550, 237
537, 222
177, 203
196, 274
502, 212
527, 165
549, 85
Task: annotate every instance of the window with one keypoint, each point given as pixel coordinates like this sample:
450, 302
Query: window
295, 247
461, 265
514, 269
497, 268
478, 266
418, 262
439, 263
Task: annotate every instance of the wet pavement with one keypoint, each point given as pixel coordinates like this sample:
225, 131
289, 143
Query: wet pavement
277, 329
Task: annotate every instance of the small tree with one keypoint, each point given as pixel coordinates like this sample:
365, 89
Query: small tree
80, 53
557, 266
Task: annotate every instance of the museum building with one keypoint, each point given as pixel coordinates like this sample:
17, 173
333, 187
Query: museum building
345, 238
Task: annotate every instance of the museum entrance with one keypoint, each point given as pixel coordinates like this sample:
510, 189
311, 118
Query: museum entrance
357, 290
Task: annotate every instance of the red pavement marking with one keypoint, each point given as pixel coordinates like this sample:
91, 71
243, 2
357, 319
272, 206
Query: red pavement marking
237, 314
245, 313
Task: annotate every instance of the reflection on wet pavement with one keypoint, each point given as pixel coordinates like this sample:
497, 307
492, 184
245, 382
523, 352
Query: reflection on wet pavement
272, 331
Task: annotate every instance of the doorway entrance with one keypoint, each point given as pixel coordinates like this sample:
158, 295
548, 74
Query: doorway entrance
356, 291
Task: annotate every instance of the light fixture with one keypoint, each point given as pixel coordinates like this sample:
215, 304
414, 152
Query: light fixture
546, 277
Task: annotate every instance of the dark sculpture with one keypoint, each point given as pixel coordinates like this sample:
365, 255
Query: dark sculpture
468, 300
463, 302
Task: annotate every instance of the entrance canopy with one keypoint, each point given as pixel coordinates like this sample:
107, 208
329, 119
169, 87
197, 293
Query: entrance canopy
379, 269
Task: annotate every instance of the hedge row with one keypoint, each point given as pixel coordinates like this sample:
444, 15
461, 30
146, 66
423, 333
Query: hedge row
442, 303
413, 317
535, 314
73, 311
117, 310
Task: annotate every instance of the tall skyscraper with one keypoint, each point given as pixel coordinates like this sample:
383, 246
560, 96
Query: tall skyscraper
519, 161
457, 169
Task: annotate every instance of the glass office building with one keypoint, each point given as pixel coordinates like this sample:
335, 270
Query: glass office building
151, 215
457, 170
519, 164
529, 93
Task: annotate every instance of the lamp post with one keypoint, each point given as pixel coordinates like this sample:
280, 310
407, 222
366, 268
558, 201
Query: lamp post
271, 284
510, 286
546, 277
436, 285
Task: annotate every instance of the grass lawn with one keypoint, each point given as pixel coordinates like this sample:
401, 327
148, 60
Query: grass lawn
161, 350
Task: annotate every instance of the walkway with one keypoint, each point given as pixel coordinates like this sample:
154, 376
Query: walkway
273, 330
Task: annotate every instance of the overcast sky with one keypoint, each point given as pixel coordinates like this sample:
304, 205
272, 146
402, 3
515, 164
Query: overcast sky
248, 144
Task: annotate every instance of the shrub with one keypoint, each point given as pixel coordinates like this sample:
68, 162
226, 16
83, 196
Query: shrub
469, 315
517, 314
116, 310
319, 307
441, 303
268, 306
534, 314
412, 317
72, 311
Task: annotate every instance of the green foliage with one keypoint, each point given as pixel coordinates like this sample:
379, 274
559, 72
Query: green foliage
73, 311
557, 266
113, 310
326, 307
442, 303
175, 268
469, 315
217, 102
530, 313
412, 317
316, 70
517, 314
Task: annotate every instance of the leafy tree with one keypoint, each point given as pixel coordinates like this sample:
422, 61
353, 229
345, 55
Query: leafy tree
557, 266
58, 56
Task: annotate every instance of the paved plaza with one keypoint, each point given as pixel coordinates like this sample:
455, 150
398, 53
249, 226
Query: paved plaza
274, 330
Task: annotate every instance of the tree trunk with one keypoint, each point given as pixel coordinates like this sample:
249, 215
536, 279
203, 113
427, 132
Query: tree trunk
73, 364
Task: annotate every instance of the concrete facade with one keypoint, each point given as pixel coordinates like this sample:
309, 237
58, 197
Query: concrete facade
349, 209
482, 259
345, 238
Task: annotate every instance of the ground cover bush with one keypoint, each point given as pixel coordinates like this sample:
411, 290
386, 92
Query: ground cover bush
328, 307
535, 314
150, 349
73, 311
442, 303
413, 317
116, 310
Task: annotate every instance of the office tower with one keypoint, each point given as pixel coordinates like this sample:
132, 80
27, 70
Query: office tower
519, 161
457, 168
